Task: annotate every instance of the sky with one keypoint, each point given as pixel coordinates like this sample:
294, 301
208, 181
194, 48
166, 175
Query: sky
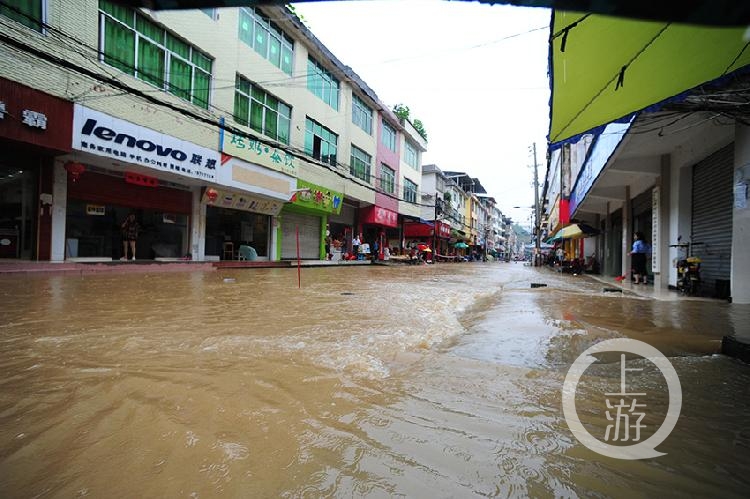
474, 74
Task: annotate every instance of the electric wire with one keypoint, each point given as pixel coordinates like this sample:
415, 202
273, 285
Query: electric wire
112, 80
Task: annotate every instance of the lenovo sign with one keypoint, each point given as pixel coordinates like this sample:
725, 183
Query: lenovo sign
98, 133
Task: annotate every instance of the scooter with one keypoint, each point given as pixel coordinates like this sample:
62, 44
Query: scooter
688, 270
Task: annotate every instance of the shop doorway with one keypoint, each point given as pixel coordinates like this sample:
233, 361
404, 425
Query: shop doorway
18, 211
227, 229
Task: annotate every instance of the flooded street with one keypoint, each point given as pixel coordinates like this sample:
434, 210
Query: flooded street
431, 381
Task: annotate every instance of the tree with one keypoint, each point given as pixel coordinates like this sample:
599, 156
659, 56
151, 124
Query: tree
403, 112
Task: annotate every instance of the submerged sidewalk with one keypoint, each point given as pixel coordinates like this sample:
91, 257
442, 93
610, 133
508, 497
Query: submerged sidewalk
736, 345
648, 290
117, 266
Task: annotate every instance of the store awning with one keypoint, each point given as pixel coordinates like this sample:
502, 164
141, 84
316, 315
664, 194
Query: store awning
414, 229
603, 69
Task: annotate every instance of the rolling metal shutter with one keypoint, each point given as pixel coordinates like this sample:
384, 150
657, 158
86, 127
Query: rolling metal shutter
309, 236
346, 216
712, 216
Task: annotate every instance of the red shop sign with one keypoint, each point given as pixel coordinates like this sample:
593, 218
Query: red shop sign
380, 216
443, 230
140, 179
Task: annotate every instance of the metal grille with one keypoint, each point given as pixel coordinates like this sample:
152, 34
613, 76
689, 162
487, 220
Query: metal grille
712, 216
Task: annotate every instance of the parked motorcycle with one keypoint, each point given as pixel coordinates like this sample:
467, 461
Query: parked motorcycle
688, 270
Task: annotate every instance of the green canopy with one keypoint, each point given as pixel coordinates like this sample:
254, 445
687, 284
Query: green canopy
605, 68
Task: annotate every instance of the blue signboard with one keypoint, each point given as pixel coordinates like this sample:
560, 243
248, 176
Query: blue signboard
606, 144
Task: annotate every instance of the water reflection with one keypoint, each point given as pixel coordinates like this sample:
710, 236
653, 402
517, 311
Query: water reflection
377, 381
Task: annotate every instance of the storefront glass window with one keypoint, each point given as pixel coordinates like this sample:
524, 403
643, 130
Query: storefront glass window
18, 212
239, 227
93, 230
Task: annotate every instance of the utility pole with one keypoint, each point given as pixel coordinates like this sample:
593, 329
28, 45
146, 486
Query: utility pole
537, 231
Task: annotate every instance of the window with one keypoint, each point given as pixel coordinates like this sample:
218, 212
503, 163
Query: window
257, 31
320, 142
361, 115
411, 156
261, 111
322, 83
139, 47
211, 12
27, 12
410, 191
387, 179
388, 137
360, 164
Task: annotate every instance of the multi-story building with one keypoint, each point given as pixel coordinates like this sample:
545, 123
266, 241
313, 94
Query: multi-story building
216, 127
682, 185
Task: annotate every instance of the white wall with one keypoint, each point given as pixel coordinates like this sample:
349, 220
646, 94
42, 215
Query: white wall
740, 273
198, 227
680, 211
59, 202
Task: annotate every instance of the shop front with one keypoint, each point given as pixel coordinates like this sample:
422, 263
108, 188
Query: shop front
378, 226
341, 229
442, 236
99, 201
120, 168
240, 210
34, 128
304, 219
234, 220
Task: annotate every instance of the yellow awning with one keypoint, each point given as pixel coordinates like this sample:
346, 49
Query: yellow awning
605, 68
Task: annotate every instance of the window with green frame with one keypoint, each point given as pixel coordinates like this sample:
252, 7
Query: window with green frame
411, 156
410, 191
261, 111
320, 142
361, 114
266, 38
322, 83
27, 12
388, 137
210, 12
387, 179
135, 45
359, 166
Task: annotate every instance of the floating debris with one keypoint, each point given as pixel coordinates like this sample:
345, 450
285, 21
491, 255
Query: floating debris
612, 290
230, 279
346, 293
538, 285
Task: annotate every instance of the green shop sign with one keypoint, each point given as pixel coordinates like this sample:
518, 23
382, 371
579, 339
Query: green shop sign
317, 198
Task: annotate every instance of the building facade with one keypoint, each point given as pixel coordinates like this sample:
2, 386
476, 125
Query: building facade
219, 128
678, 176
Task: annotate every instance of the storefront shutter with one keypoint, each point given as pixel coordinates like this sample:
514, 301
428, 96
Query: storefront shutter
712, 216
346, 217
309, 236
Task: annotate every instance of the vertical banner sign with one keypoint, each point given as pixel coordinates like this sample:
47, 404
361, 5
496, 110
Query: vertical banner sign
655, 213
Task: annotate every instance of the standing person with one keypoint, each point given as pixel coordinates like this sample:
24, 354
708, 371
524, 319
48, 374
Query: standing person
560, 254
329, 255
355, 246
638, 259
129, 229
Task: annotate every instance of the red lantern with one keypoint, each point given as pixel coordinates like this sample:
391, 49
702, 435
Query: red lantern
212, 195
75, 169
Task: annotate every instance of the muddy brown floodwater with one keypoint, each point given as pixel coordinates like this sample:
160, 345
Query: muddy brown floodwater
432, 381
